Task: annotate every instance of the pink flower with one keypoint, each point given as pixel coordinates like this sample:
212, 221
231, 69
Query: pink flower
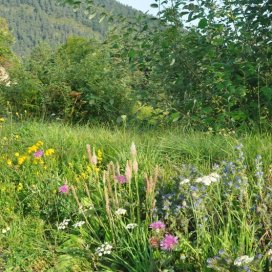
64, 189
121, 179
157, 225
38, 154
169, 242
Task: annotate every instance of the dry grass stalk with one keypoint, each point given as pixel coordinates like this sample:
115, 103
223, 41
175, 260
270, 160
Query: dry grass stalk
89, 152
76, 197
106, 195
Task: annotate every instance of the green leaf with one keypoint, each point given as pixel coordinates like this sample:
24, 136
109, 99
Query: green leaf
202, 23
154, 5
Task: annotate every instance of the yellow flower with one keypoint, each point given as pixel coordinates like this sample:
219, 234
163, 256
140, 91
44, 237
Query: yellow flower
9, 162
2, 119
89, 169
39, 143
49, 152
17, 154
99, 155
32, 148
21, 159
20, 187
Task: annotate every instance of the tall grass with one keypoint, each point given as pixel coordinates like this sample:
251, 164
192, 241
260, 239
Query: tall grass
71, 209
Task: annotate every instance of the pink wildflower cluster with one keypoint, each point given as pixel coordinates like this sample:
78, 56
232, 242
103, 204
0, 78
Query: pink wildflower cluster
38, 154
64, 189
157, 225
169, 242
121, 179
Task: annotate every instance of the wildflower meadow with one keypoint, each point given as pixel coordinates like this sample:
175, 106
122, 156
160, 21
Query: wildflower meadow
94, 199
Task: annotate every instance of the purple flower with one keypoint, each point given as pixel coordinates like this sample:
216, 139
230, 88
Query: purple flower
38, 154
121, 179
64, 189
169, 242
157, 225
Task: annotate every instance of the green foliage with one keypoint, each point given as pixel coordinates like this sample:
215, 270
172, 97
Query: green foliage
6, 41
81, 81
217, 72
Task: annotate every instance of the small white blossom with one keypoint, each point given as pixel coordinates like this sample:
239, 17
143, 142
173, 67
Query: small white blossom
269, 252
209, 179
63, 225
184, 181
79, 224
131, 226
5, 230
104, 249
121, 211
243, 260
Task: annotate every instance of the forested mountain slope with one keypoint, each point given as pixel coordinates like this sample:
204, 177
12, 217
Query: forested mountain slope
35, 21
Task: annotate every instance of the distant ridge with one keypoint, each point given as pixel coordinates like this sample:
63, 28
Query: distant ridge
34, 21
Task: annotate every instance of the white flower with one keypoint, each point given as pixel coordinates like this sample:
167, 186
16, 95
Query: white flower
184, 181
5, 230
121, 211
79, 224
63, 224
243, 260
131, 226
269, 252
198, 180
208, 180
104, 249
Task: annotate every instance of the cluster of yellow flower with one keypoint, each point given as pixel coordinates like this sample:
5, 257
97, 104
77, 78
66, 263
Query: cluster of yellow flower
84, 175
34, 152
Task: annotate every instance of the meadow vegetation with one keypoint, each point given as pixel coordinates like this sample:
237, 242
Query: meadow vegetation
147, 151
169, 201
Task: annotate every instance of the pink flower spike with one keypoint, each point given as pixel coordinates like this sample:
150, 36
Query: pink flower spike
38, 154
64, 189
121, 179
157, 225
169, 242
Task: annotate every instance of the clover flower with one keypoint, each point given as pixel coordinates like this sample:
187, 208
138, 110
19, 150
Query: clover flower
169, 242
158, 225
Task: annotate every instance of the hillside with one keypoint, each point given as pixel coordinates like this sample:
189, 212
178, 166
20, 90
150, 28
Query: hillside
35, 21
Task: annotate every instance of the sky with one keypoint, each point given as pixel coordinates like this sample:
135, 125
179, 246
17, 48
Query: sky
143, 5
